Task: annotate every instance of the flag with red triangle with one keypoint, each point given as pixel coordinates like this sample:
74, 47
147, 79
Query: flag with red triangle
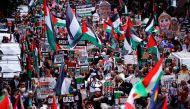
50, 29
152, 46
5, 102
89, 35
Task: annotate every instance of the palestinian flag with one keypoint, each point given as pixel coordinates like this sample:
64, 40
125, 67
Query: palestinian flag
156, 30
142, 88
152, 46
73, 27
132, 38
127, 46
58, 22
89, 35
107, 27
33, 3
35, 57
50, 29
5, 102
19, 103
149, 28
115, 21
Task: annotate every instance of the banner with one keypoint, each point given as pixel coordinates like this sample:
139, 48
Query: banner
85, 10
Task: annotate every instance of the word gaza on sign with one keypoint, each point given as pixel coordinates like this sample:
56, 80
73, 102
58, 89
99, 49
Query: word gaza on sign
68, 98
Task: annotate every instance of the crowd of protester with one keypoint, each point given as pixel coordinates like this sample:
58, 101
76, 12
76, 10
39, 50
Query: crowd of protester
29, 37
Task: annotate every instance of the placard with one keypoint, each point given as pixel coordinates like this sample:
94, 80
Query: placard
167, 80
85, 10
130, 59
84, 69
108, 88
68, 98
58, 59
64, 41
45, 86
45, 47
79, 81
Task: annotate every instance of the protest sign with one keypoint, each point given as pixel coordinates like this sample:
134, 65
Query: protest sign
45, 47
58, 59
45, 86
83, 57
64, 41
167, 80
84, 69
164, 21
68, 98
108, 88
104, 9
85, 10
79, 81
117, 95
130, 59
